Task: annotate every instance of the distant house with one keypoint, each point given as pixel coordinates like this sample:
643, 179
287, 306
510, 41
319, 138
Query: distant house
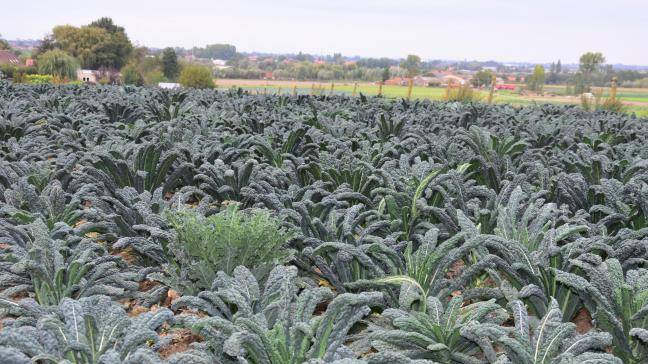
506, 86
442, 72
396, 81
267, 75
220, 64
453, 80
169, 85
9, 57
87, 76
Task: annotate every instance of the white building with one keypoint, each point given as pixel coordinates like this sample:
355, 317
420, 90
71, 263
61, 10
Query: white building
87, 76
220, 64
168, 85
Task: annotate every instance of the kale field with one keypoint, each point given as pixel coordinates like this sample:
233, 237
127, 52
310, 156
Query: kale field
153, 226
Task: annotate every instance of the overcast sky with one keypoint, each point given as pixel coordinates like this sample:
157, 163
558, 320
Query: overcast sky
503, 30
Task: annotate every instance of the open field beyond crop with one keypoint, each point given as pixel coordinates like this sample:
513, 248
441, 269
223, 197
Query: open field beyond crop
636, 100
187, 226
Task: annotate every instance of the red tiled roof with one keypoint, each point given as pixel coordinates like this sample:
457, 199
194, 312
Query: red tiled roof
9, 57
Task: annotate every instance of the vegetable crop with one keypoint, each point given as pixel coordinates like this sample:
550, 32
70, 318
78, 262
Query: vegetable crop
201, 226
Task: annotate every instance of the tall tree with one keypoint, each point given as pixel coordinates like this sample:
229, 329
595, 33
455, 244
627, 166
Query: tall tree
59, 64
170, 66
412, 64
385, 74
196, 76
482, 78
590, 63
107, 24
216, 51
558, 67
537, 80
103, 45
3, 43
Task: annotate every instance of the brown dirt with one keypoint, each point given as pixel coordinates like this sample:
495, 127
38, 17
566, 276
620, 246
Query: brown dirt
147, 284
456, 269
583, 321
171, 296
183, 338
137, 310
129, 255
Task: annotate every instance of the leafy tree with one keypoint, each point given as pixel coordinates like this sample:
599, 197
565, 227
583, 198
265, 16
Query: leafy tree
537, 80
46, 44
412, 64
216, 51
4, 44
554, 73
170, 65
101, 45
152, 78
58, 63
107, 24
130, 75
590, 63
385, 74
196, 76
482, 78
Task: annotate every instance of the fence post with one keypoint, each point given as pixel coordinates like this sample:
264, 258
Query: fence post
332, 87
492, 89
312, 89
380, 85
410, 84
613, 92
355, 88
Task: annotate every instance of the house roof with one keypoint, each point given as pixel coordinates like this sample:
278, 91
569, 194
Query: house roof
9, 57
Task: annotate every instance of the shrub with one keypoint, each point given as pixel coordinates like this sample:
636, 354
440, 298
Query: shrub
221, 242
596, 102
152, 78
463, 93
38, 79
196, 77
13, 71
58, 63
131, 76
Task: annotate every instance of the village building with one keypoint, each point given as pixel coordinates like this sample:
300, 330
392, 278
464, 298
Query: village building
9, 57
87, 76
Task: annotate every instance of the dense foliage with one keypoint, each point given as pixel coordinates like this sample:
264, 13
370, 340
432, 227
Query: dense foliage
196, 226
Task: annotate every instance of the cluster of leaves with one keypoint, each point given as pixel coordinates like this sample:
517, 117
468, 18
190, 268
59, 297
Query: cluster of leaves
198, 226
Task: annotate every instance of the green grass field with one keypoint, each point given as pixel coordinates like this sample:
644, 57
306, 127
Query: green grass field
436, 93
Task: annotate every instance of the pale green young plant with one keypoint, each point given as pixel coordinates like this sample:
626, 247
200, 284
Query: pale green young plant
221, 242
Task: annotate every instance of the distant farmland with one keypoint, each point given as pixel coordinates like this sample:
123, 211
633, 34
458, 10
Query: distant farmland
636, 99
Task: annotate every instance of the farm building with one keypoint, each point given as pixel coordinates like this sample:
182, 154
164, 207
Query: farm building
87, 76
9, 57
220, 64
396, 81
453, 80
